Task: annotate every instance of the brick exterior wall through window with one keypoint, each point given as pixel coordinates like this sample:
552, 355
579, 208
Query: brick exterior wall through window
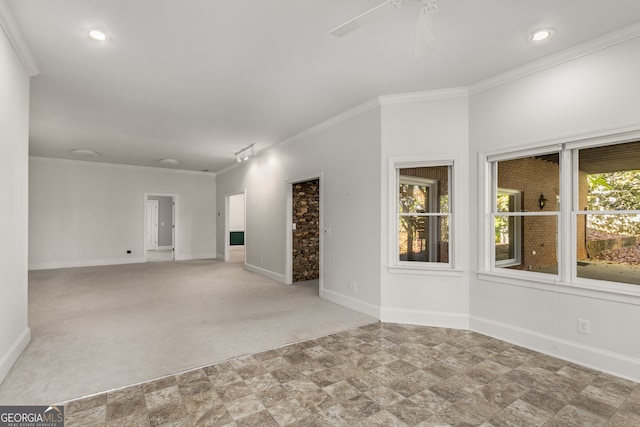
533, 177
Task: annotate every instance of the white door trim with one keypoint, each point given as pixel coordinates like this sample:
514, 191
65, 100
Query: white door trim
174, 225
227, 231
288, 256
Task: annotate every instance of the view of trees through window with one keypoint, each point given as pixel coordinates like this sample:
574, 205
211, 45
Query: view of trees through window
608, 216
613, 237
423, 214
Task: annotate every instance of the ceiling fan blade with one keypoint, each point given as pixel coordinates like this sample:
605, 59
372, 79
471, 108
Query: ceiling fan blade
513, 4
425, 37
370, 15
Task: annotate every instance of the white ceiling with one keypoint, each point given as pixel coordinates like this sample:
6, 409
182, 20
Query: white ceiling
197, 80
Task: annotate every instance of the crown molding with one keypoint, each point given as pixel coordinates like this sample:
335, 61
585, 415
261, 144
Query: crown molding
332, 121
608, 40
14, 34
428, 95
119, 166
338, 118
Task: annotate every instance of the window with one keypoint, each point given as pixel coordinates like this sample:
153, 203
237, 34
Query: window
607, 215
592, 240
525, 215
422, 228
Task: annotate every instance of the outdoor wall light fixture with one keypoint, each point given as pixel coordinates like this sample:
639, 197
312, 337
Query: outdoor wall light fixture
542, 201
245, 153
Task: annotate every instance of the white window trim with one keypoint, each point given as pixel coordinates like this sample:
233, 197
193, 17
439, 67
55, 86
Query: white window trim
566, 281
431, 184
393, 175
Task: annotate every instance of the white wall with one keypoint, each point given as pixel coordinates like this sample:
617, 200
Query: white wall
88, 213
14, 149
432, 129
236, 212
596, 92
347, 156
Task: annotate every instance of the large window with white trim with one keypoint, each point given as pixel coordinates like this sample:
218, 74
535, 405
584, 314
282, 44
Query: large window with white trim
568, 214
607, 212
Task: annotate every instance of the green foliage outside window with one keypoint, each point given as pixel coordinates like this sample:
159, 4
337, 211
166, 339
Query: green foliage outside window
610, 192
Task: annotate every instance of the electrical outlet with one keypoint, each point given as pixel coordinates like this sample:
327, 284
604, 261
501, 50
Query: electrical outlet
261, 261
353, 287
584, 326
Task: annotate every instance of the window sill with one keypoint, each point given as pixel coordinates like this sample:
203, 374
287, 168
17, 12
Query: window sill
610, 291
424, 270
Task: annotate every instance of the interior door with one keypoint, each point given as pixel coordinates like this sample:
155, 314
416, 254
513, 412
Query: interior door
152, 225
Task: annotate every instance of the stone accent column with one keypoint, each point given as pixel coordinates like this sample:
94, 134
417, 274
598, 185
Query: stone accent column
306, 236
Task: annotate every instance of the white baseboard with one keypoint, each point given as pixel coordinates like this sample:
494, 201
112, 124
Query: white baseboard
264, 272
425, 318
607, 361
13, 352
164, 248
352, 303
85, 263
191, 257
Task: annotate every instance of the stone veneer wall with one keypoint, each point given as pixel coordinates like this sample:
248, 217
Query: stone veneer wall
306, 236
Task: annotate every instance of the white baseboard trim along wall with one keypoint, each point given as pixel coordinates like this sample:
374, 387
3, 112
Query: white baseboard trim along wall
85, 263
425, 318
352, 303
606, 361
191, 257
264, 272
13, 353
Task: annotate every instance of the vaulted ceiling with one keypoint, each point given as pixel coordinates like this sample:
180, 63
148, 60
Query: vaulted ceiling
197, 80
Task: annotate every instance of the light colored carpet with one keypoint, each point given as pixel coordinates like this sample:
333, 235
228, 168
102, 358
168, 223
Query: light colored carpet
99, 328
236, 254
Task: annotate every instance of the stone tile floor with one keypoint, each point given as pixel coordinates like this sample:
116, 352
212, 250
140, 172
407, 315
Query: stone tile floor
376, 375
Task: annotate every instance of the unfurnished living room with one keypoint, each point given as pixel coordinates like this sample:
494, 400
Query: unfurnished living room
320, 213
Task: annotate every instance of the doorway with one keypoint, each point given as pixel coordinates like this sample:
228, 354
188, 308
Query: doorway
159, 227
304, 237
235, 233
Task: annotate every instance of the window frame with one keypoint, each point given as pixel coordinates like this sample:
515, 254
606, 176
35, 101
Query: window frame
431, 184
520, 215
395, 164
566, 281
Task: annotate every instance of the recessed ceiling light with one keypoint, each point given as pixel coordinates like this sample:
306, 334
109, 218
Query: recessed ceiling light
83, 152
98, 35
540, 35
168, 162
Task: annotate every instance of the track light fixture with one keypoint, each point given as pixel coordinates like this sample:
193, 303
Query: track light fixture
245, 153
